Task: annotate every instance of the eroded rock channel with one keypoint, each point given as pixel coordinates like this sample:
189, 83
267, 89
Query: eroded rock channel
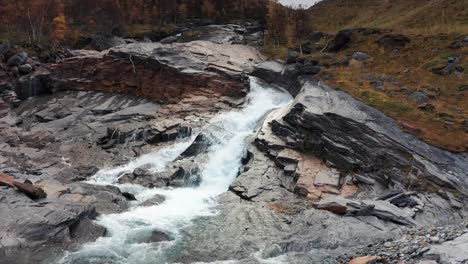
175, 153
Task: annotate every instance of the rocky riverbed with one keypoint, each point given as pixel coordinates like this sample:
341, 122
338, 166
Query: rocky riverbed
323, 179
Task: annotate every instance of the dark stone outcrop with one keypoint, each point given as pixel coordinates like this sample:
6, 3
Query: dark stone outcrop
18, 59
341, 41
155, 200
393, 41
26, 223
275, 73
32, 85
183, 174
357, 138
292, 57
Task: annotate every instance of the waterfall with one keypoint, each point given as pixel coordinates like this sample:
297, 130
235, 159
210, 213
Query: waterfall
233, 130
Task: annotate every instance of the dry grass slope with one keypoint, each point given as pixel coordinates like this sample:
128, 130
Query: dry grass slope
407, 16
432, 25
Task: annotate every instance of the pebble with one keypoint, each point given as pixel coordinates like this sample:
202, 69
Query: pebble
413, 244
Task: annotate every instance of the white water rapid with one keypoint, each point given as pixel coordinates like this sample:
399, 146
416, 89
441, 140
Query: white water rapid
123, 244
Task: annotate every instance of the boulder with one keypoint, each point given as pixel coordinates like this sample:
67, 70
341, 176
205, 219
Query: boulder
360, 56
25, 69
149, 236
310, 69
419, 97
155, 200
341, 41
199, 145
145, 177
182, 174
129, 196
292, 56
18, 59
4, 48
158, 236
82, 173
393, 41
105, 199
85, 231
28, 223
186, 175
102, 42
335, 205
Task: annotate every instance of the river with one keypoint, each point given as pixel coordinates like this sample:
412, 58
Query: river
128, 232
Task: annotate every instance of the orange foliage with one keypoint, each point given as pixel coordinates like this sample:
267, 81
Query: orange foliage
60, 28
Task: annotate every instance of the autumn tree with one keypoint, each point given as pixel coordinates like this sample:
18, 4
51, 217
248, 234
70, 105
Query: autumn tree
59, 29
276, 22
297, 27
63, 20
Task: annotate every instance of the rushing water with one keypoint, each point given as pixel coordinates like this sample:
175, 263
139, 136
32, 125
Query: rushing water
127, 230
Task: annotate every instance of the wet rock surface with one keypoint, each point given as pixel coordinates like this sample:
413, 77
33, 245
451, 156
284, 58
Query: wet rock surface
323, 168
57, 139
327, 178
54, 142
165, 73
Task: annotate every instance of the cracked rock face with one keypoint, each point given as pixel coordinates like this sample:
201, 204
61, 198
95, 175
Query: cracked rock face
325, 175
52, 141
329, 162
68, 130
165, 73
356, 138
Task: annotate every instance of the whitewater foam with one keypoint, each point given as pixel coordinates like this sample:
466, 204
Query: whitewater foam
233, 133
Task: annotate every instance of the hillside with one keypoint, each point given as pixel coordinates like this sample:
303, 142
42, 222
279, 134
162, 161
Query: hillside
410, 16
402, 81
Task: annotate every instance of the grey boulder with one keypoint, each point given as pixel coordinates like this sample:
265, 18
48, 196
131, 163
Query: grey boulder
18, 59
